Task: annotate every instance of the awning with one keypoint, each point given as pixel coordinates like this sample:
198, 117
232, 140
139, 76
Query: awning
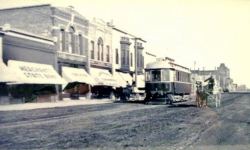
34, 73
120, 80
126, 77
140, 81
77, 75
6, 74
103, 77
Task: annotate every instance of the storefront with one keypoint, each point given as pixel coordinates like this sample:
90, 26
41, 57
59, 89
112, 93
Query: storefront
78, 82
33, 60
35, 82
6, 76
105, 83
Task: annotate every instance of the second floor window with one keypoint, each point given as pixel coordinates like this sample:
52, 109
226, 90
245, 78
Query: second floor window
62, 40
123, 57
92, 49
116, 56
107, 57
131, 59
70, 39
100, 49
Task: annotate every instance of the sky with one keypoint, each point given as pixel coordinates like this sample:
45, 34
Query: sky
196, 33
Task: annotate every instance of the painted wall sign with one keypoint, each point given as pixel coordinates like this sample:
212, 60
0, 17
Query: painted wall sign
77, 75
34, 73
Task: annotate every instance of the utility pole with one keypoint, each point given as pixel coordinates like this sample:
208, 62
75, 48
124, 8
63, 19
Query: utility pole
135, 39
194, 64
203, 73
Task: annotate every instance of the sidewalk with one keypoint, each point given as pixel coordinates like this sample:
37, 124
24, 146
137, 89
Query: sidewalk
64, 103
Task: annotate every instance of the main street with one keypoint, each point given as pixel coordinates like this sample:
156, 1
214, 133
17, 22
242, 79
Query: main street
130, 125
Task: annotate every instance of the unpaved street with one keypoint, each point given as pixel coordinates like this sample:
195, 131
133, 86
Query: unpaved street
130, 126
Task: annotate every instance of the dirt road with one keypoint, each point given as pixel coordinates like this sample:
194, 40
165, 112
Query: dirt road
130, 126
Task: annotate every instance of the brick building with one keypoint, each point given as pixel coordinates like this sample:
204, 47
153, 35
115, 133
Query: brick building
65, 25
31, 60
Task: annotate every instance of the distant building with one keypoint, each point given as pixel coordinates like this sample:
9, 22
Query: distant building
221, 73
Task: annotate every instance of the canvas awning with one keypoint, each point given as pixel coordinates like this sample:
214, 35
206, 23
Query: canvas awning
34, 73
126, 77
120, 80
103, 77
6, 74
140, 81
77, 75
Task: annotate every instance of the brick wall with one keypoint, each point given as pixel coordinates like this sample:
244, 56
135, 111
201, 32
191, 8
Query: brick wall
34, 19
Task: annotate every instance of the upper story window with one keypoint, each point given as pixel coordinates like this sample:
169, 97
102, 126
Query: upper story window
71, 42
117, 56
71, 39
123, 56
100, 49
131, 62
108, 55
92, 49
81, 48
77, 45
62, 40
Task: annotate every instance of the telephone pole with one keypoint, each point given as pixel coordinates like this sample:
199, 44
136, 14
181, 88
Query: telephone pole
135, 39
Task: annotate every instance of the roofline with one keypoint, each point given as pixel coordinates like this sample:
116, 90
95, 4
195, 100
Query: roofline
18, 31
20, 7
125, 32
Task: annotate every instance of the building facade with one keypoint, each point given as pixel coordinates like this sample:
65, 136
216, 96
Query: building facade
67, 27
128, 55
31, 60
100, 58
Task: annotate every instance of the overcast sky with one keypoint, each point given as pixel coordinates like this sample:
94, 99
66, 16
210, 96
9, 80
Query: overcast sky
208, 32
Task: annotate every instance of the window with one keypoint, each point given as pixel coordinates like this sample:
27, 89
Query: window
107, 56
98, 53
70, 39
127, 52
165, 75
140, 60
177, 76
131, 59
102, 54
81, 48
148, 76
156, 75
62, 40
92, 49
100, 49
117, 56
77, 46
123, 57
